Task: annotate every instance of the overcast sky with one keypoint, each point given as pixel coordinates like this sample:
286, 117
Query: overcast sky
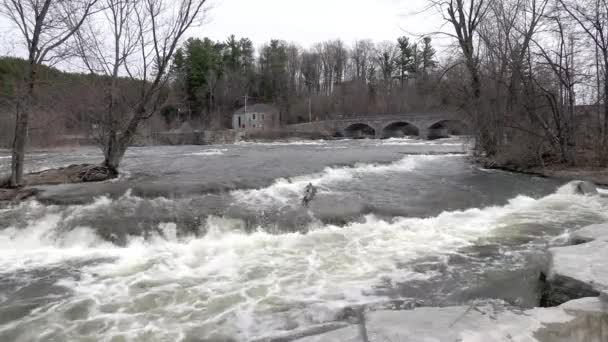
310, 21
302, 21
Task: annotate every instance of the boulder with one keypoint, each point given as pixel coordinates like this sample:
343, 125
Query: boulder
582, 188
576, 272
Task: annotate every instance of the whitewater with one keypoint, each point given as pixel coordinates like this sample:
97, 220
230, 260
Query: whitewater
400, 222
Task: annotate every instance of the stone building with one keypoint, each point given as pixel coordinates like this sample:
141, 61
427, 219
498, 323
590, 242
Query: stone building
258, 116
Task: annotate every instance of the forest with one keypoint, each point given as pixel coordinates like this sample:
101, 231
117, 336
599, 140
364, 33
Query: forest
211, 79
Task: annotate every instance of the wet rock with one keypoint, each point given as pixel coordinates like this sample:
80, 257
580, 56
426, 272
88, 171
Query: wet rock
559, 289
338, 211
584, 188
584, 320
83, 173
576, 272
4, 182
581, 270
347, 334
590, 233
316, 330
16, 195
309, 194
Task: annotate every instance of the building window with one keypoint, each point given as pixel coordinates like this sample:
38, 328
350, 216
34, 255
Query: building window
253, 116
239, 122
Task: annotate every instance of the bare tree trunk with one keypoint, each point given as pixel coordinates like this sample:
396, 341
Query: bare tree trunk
21, 128
45, 25
605, 136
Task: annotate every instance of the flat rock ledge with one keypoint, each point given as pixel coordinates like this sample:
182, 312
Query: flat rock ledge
580, 270
576, 287
80, 173
16, 195
582, 320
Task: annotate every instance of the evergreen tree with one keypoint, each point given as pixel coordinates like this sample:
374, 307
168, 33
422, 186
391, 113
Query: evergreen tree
427, 57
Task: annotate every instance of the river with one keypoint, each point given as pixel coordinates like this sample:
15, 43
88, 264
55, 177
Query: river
212, 243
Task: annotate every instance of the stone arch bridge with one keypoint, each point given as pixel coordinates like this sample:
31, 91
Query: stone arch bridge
423, 125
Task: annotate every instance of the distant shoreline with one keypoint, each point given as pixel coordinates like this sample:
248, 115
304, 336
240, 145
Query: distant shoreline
596, 175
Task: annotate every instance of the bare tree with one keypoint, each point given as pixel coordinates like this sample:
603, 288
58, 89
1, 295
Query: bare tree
361, 55
465, 17
144, 36
45, 26
592, 17
559, 61
386, 59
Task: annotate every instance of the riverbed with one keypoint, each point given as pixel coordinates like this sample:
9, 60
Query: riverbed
212, 242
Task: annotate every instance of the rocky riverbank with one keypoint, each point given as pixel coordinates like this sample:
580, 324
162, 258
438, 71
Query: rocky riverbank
81, 173
595, 175
576, 288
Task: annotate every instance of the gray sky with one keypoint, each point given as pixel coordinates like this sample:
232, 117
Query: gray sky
309, 21
302, 21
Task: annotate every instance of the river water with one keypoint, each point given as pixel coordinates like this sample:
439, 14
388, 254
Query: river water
202, 243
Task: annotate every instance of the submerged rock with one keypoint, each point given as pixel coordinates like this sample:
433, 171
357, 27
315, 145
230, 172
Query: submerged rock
309, 194
580, 188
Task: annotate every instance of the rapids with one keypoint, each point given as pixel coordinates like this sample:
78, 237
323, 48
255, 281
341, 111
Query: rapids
211, 243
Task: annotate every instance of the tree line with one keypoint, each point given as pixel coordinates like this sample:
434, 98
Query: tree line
213, 78
533, 77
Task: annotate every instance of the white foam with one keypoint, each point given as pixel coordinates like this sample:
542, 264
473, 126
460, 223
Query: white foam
212, 152
453, 141
44, 242
230, 283
283, 143
285, 191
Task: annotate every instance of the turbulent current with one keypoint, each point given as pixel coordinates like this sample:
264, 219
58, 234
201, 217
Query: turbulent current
213, 244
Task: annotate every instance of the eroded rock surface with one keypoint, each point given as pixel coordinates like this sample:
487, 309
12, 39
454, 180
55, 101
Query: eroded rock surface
16, 195
82, 173
583, 320
590, 233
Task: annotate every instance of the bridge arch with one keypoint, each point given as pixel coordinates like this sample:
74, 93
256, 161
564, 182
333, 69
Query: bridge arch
400, 129
446, 128
359, 131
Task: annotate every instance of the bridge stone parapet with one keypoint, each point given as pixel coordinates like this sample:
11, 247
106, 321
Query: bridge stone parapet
423, 125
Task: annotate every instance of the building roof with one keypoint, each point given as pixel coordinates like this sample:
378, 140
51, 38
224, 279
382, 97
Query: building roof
257, 108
